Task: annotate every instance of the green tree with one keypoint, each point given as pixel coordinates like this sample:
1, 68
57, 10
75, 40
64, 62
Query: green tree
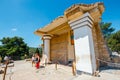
32, 51
114, 42
39, 50
14, 47
106, 29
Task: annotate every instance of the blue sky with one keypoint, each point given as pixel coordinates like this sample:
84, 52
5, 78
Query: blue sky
23, 17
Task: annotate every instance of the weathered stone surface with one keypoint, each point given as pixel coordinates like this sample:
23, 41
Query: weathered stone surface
59, 48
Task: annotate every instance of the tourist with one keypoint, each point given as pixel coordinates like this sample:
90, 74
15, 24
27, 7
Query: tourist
6, 59
33, 60
37, 60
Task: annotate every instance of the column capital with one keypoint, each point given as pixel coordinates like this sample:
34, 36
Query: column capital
46, 36
85, 20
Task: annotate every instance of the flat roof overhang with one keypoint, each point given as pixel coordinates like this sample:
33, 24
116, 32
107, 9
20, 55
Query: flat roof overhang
54, 24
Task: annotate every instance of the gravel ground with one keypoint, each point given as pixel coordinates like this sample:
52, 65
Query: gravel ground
24, 71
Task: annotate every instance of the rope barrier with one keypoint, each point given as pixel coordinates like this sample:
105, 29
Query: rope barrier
102, 61
111, 64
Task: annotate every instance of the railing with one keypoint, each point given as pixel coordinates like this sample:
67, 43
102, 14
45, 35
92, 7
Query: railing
110, 64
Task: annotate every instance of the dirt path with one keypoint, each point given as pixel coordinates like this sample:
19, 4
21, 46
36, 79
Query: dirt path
24, 71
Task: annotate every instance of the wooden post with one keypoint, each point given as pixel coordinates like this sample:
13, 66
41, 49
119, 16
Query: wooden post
56, 65
74, 68
97, 64
5, 70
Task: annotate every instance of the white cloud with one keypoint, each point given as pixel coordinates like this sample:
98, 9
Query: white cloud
14, 29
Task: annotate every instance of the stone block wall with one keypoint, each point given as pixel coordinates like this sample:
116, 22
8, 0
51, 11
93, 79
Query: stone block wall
59, 50
100, 45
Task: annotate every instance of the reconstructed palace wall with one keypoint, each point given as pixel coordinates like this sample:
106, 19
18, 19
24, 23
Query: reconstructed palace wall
101, 49
59, 48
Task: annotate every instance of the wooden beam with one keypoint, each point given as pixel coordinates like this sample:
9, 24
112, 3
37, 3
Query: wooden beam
5, 70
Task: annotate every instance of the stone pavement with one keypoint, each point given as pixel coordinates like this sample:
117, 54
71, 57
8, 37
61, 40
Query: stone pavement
24, 71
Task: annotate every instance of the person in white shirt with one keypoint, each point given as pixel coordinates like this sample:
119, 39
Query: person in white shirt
6, 59
33, 60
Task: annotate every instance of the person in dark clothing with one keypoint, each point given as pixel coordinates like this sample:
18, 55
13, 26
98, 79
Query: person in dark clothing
37, 60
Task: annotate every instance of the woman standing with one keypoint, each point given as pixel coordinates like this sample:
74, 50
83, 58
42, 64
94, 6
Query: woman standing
37, 56
33, 60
